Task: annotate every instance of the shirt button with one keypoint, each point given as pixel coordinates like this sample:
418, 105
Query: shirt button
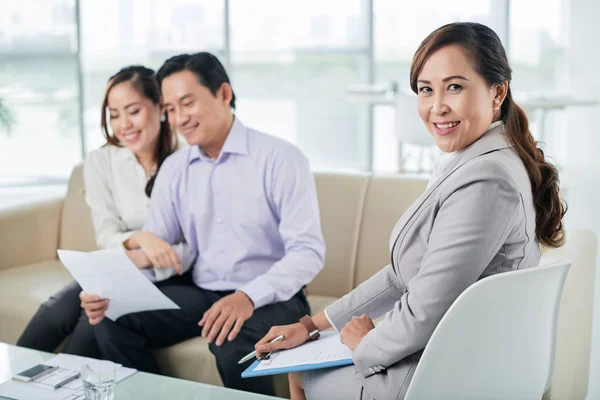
219, 220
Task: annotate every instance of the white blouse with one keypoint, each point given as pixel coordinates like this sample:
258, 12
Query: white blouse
115, 185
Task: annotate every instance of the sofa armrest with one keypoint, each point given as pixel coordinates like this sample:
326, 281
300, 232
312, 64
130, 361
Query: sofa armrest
29, 233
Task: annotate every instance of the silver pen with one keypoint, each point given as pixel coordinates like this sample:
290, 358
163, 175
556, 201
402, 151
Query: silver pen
253, 354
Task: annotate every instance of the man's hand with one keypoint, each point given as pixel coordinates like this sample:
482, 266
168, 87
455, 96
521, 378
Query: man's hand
159, 252
226, 317
94, 307
355, 330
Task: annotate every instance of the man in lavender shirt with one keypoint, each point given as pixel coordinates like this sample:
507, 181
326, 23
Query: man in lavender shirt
246, 204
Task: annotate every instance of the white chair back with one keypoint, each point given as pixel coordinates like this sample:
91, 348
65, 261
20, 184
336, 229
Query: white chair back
497, 341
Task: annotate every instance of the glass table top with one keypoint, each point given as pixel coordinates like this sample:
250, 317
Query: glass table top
140, 385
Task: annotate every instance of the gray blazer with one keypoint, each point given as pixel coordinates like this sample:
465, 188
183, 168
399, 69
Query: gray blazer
476, 220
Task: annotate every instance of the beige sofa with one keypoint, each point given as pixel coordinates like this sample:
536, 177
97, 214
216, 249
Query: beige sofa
358, 212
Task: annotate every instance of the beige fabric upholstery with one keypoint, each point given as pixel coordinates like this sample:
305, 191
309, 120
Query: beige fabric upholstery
387, 199
22, 290
29, 233
341, 200
574, 337
358, 213
189, 360
319, 303
76, 229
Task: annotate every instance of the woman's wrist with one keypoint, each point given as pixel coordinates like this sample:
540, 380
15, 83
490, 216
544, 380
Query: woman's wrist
321, 321
139, 258
134, 241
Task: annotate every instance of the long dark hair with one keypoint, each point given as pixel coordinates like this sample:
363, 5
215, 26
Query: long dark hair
144, 81
490, 61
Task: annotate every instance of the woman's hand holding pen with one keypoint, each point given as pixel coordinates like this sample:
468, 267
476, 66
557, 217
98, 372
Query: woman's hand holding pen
294, 335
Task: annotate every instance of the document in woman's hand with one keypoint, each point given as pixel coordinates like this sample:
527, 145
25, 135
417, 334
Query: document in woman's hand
111, 275
326, 352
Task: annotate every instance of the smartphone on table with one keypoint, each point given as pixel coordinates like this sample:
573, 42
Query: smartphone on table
34, 373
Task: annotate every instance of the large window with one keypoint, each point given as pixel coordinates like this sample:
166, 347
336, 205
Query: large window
536, 47
38, 91
537, 54
291, 64
117, 33
399, 28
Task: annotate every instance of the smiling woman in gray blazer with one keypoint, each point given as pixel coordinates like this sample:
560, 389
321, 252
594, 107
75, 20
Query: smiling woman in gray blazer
491, 203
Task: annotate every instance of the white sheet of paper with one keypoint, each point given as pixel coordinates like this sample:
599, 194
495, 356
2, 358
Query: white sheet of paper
110, 274
327, 348
72, 362
26, 391
71, 391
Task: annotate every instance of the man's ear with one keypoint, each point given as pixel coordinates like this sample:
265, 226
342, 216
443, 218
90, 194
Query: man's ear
225, 93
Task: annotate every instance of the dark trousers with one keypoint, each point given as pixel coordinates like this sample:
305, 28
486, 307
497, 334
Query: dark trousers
129, 339
60, 317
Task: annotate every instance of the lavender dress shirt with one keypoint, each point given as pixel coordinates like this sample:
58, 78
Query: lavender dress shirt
250, 216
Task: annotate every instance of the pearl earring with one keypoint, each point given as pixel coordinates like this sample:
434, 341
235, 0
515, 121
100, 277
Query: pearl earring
496, 101
163, 118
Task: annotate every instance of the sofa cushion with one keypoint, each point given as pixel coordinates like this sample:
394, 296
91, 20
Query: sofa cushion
575, 317
387, 199
319, 303
341, 200
76, 231
189, 360
23, 289
29, 233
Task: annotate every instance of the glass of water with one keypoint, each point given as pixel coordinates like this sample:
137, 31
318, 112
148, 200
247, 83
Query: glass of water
99, 380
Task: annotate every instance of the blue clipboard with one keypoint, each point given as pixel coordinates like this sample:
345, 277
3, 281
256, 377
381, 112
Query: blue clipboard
250, 372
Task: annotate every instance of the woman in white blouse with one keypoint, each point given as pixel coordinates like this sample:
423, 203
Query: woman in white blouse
118, 180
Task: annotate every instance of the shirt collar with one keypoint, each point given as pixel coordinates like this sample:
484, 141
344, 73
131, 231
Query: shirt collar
235, 143
126, 154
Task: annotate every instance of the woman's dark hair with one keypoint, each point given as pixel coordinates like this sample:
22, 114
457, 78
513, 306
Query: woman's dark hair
144, 81
489, 60
208, 69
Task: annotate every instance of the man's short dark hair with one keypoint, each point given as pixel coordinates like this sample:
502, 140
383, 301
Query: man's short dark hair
209, 70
